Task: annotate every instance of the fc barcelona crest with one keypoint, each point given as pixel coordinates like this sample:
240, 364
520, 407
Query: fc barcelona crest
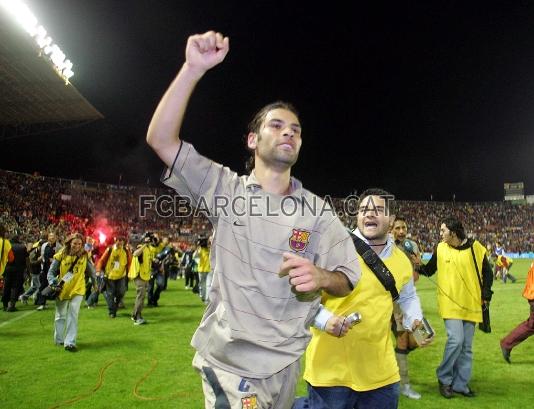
299, 240
250, 402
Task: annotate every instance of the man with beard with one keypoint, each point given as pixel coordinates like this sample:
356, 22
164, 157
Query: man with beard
359, 370
271, 254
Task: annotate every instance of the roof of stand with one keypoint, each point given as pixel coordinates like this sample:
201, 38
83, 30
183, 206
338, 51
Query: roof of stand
31, 90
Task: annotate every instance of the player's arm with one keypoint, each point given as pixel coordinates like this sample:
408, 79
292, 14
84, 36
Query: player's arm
203, 51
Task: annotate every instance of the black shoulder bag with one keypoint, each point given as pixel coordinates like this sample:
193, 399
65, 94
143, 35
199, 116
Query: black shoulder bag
485, 325
376, 265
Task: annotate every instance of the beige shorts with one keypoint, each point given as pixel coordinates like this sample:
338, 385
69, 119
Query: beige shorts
223, 389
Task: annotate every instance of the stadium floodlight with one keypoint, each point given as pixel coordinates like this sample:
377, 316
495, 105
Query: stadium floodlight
22, 14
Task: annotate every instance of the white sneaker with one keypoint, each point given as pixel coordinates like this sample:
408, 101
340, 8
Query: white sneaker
139, 321
41, 308
407, 391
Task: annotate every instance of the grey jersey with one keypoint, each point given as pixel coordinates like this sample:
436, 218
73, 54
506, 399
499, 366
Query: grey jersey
255, 325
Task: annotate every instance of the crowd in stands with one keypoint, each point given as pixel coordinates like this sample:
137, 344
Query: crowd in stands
30, 204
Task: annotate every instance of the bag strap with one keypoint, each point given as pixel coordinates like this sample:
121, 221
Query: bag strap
376, 265
476, 268
73, 263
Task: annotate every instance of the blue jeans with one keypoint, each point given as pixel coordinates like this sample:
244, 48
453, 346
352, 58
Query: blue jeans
341, 397
455, 368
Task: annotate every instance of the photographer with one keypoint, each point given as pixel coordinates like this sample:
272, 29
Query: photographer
67, 275
48, 249
140, 272
156, 284
187, 263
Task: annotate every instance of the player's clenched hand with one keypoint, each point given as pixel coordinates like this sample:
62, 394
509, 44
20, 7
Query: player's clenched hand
303, 274
204, 51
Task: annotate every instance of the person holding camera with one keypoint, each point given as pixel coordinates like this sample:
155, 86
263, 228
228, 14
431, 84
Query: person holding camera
157, 282
48, 249
359, 370
186, 264
458, 261
269, 270
35, 268
67, 275
140, 271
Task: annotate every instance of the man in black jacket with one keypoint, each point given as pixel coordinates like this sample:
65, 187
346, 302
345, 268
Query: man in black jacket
14, 274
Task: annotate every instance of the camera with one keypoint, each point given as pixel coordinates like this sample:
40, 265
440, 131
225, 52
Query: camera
354, 318
150, 237
423, 332
51, 292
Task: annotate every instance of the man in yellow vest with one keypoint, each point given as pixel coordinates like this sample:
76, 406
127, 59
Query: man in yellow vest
114, 265
460, 302
140, 271
359, 370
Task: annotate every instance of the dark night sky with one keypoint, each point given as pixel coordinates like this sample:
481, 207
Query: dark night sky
424, 98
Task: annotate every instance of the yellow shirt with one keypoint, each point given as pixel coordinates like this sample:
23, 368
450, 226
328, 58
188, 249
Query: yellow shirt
364, 359
76, 286
116, 264
459, 294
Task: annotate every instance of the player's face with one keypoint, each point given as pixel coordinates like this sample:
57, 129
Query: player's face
279, 140
374, 218
399, 230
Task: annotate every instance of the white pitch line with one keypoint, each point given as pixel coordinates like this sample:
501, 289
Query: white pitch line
3, 324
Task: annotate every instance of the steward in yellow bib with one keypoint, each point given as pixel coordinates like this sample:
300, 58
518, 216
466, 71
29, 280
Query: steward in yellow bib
70, 266
140, 271
460, 301
359, 370
114, 265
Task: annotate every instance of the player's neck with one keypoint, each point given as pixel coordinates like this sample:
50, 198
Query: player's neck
273, 180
